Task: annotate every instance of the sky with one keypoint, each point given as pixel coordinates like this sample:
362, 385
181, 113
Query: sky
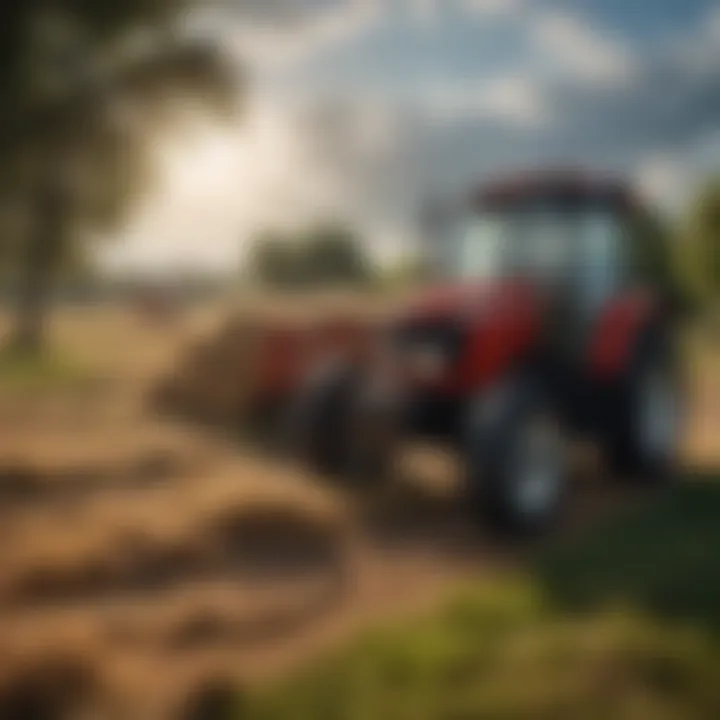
361, 110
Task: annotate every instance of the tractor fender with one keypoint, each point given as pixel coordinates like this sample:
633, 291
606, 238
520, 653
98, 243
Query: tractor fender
618, 331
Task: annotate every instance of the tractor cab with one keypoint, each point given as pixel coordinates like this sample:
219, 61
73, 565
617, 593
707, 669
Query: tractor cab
574, 241
567, 238
570, 236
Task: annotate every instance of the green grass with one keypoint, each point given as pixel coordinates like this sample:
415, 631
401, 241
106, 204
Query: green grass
663, 559
624, 623
40, 373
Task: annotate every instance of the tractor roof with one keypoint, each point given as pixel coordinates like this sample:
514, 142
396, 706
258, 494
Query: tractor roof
556, 186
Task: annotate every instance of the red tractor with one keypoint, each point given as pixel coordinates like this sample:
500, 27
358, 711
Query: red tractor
547, 322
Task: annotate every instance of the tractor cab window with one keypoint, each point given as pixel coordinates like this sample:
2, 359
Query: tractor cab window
536, 243
578, 247
542, 245
480, 248
600, 262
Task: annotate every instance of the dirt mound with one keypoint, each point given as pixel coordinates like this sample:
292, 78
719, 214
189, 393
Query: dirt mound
25, 485
50, 687
213, 699
170, 537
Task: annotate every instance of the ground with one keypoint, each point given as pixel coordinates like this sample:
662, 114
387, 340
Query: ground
151, 557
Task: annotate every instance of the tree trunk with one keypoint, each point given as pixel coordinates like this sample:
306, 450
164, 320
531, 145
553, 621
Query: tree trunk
37, 272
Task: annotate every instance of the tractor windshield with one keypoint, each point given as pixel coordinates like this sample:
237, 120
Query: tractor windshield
479, 248
491, 244
551, 244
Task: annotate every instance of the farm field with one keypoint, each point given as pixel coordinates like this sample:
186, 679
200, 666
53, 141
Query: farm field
144, 559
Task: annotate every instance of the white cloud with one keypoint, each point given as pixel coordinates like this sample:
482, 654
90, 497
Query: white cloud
670, 178
220, 189
661, 177
424, 13
375, 128
515, 98
577, 50
584, 93
281, 168
284, 45
490, 8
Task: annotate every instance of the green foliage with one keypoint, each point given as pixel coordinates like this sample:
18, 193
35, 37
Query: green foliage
21, 374
274, 262
651, 247
407, 272
501, 660
84, 88
661, 558
332, 254
654, 247
620, 624
701, 240
328, 254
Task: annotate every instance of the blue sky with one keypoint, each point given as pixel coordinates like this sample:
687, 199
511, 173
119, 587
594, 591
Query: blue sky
361, 108
641, 21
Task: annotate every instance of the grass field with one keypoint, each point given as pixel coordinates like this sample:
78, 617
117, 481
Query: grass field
143, 561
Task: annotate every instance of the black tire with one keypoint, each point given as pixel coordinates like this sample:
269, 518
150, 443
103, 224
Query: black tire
315, 424
498, 427
631, 456
332, 427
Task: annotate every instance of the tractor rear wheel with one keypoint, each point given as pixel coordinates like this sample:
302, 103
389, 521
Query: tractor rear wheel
643, 432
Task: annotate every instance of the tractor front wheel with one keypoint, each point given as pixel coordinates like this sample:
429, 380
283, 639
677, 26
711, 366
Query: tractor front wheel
336, 426
516, 459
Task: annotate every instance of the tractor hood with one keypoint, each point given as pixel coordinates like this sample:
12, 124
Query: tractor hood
473, 331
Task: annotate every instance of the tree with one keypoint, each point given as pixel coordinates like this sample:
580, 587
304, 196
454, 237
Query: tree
273, 262
407, 272
332, 254
701, 240
654, 250
84, 88
327, 254
651, 247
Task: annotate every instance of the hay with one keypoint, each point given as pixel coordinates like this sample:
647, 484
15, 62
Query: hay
215, 380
